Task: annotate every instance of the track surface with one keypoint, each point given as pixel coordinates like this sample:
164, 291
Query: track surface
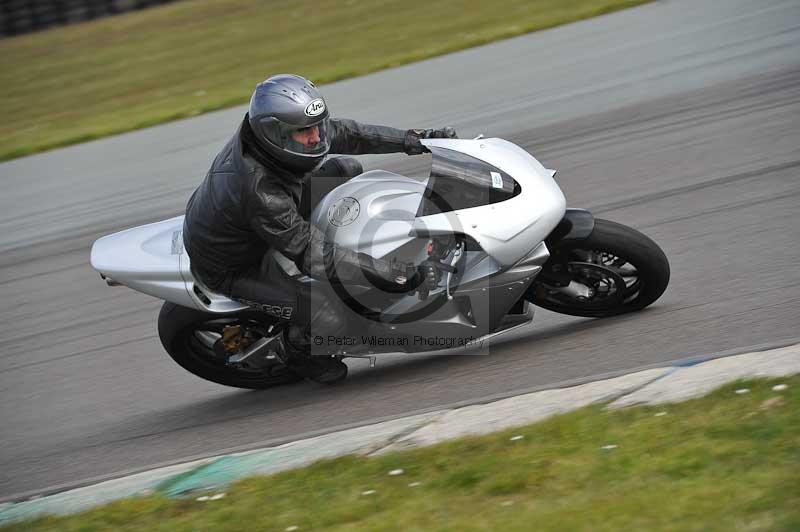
680, 118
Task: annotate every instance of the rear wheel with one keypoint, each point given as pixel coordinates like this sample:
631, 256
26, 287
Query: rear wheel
614, 270
204, 344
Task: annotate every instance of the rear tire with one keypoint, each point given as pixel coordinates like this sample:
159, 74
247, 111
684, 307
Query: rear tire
617, 268
177, 329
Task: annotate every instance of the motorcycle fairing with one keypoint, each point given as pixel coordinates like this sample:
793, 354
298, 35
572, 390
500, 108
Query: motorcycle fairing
151, 259
146, 259
521, 206
510, 229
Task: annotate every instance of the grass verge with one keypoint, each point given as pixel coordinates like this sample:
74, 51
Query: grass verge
728, 461
86, 81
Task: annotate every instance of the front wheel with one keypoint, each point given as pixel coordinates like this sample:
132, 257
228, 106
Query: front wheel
614, 270
203, 343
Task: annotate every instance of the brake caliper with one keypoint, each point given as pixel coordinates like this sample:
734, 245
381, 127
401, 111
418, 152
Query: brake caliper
233, 339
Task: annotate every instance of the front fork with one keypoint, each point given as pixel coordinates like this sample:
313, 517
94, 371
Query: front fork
576, 225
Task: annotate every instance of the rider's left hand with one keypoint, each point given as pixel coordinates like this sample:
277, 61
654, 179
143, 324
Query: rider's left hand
444, 133
413, 146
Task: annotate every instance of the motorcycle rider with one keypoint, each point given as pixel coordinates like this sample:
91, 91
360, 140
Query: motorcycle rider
259, 194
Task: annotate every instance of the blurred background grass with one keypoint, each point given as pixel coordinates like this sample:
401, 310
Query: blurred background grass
85, 81
728, 461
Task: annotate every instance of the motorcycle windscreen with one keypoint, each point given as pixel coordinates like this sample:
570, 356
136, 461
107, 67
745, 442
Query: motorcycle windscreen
459, 181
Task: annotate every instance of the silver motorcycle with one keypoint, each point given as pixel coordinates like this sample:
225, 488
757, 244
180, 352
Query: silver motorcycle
490, 218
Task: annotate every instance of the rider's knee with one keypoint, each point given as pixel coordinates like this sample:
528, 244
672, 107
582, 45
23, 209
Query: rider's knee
347, 166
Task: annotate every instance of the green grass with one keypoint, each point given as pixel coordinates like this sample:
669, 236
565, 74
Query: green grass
723, 462
82, 82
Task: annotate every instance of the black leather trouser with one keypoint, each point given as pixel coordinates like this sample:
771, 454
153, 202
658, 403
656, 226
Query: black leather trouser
267, 285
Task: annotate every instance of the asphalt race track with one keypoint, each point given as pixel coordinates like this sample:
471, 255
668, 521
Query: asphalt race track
680, 118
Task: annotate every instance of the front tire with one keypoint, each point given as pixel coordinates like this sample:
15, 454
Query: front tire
614, 270
186, 335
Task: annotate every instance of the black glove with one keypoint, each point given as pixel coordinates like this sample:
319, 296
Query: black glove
401, 278
412, 144
444, 133
408, 277
405, 277
430, 274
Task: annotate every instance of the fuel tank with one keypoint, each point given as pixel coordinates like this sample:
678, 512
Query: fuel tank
374, 213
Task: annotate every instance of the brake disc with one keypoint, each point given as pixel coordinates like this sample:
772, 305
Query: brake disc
601, 282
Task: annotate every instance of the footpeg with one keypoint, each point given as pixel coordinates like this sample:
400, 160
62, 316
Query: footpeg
371, 358
259, 347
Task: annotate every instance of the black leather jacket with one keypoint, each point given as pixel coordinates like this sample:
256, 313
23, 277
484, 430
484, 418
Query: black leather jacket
247, 204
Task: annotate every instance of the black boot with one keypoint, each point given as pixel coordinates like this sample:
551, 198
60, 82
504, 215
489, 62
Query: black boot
295, 353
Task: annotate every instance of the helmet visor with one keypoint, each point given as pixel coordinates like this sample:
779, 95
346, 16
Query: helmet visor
309, 140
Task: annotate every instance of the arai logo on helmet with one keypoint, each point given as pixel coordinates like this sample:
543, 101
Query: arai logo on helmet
315, 108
